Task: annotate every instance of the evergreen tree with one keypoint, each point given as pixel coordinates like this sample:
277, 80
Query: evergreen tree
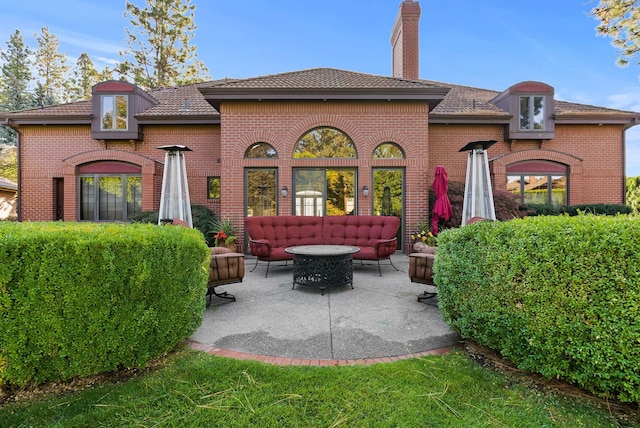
83, 78
159, 52
619, 20
16, 74
52, 68
14, 81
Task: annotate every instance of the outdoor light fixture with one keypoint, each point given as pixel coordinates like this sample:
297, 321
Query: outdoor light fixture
365, 191
284, 191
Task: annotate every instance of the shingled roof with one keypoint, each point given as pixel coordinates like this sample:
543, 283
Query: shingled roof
465, 103
324, 84
198, 103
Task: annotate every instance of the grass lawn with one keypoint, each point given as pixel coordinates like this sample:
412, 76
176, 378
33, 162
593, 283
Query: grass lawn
194, 389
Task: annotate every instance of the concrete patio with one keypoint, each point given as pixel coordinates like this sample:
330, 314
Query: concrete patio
379, 319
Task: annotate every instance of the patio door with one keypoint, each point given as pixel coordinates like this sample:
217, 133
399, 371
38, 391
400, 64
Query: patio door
388, 195
261, 192
324, 191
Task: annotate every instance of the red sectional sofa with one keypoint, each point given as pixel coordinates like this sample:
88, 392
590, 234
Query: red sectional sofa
270, 235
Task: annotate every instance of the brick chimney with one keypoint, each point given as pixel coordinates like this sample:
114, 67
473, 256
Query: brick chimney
404, 41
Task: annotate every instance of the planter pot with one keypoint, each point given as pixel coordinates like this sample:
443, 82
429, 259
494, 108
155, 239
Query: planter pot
421, 247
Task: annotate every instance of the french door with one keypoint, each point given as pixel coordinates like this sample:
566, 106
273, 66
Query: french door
324, 191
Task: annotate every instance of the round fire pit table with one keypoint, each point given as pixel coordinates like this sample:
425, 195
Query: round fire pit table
322, 266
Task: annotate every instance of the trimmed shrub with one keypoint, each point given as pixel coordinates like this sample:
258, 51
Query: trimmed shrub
201, 216
573, 210
559, 296
603, 209
81, 298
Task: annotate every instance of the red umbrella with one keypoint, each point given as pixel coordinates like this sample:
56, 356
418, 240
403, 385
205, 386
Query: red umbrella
442, 207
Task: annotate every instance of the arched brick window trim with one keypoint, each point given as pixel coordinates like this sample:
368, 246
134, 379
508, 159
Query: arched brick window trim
254, 137
148, 165
151, 172
325, 121
498, 166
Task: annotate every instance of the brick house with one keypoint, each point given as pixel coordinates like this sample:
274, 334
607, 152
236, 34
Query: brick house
314, 142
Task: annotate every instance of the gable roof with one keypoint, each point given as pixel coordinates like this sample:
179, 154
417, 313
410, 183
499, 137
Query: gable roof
449, 103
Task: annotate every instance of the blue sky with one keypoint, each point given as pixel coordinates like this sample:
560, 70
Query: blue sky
489, 44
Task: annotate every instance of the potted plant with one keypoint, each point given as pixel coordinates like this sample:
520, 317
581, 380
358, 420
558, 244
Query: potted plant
424, 241
224, 234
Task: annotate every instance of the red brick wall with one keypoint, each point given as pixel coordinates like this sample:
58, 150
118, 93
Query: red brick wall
48, 152
282, 124
593, 153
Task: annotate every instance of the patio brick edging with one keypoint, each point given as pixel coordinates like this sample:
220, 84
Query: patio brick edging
285, 361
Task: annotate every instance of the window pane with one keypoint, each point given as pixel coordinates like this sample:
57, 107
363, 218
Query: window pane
536, 189
121, 106
87, 198
524, 113
538, 112
107, 112
261, 192
110, 198
134, 195
309, 191
261, 150
213, 184
513, 186
340, 191
388, 151
325, 143
558, 190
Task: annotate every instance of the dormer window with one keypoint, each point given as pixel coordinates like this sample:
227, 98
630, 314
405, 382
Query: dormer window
115, 105
531, 107
531, 113
115, 112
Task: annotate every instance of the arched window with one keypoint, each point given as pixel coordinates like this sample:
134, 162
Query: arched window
539, 182
325, 143
109, 191
388, 151
261, 151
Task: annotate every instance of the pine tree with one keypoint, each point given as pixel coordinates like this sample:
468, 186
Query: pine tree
84, 76
52, 68
159, 52
14, 82
619, 20
16, 74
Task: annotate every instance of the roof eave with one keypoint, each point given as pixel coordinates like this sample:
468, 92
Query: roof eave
596, 119
215, 96
15, 121
179, 120
476, 119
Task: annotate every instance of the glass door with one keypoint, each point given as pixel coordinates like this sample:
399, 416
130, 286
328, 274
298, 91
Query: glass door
388, 197
261, 192
326, 191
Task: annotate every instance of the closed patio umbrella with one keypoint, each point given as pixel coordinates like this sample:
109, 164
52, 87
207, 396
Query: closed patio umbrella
442, 207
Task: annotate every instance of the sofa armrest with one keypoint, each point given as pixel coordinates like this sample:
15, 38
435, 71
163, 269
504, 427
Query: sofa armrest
260, 248
386, 247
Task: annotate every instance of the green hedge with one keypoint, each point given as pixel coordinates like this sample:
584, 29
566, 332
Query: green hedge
81, 298
201, 216
556, 295
573, 210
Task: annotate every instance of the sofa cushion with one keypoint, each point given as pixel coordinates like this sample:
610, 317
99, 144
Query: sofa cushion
285, 231
359, 231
